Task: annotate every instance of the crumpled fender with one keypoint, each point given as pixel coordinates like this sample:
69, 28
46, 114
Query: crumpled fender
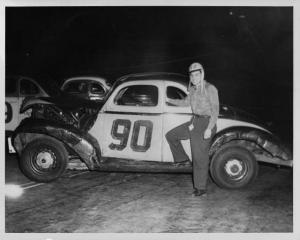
82, 143
29, 102
265, 140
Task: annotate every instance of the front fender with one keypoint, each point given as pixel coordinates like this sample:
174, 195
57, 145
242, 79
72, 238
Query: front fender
30, 102
263, 139
82, 143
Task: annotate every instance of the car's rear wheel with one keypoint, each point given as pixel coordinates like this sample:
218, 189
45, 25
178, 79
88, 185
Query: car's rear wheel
44, 159
233, 167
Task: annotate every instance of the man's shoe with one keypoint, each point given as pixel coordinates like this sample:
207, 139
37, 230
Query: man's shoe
183, 163
199, 192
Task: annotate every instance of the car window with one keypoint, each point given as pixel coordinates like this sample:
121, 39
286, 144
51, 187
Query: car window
138, 95
175, 93
76, 87
97, 88
28, 87
10, 86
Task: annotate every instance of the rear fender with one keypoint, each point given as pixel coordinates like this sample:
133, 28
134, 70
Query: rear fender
83, 144
262, 139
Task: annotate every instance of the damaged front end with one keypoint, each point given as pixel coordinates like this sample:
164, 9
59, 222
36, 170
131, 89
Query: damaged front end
77, 142
66, 119
69, 110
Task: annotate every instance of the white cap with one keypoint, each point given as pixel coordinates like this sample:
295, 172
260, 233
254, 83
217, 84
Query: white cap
195, 67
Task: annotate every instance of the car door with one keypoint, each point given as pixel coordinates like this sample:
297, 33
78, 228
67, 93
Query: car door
174, 116
129, 125
12, 104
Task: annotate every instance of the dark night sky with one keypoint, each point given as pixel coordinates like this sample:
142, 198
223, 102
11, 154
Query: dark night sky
247, 52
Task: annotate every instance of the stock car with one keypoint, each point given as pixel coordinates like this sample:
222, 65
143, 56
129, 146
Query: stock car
126, 132
17, 88
87, 87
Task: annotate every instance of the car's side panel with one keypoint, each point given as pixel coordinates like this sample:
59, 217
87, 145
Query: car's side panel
12, 115
130, 132
129, 136
13, 103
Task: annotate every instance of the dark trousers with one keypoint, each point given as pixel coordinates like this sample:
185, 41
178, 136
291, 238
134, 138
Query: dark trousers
199, 147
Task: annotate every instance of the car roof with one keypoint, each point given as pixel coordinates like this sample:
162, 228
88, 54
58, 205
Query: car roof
174, 77
93, 78
17, 77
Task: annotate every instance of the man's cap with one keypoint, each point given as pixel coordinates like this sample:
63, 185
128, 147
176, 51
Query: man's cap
195, 67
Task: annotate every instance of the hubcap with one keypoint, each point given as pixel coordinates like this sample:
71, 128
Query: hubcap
235, 169
45, 159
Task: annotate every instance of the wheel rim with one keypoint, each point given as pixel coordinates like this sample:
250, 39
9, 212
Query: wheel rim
235, 169
44, 160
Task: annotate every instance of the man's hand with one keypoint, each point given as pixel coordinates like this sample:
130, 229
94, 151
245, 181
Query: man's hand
191, 127
207, 133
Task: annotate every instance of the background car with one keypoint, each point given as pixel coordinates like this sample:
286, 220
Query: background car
17, 88
86, 87
127, 133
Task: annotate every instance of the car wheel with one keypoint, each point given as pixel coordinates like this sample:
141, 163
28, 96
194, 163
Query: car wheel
233, 167
44, 160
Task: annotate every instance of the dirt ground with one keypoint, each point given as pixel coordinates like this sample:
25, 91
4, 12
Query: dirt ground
101, 202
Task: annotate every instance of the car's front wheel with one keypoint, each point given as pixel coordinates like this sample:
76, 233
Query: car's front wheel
233, 167
44, 160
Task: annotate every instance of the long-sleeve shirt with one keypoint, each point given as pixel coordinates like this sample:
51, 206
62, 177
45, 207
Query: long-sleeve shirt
202, 103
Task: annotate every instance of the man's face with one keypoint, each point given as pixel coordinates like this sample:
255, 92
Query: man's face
196, 77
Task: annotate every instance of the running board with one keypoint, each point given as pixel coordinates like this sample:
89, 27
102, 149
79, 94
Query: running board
128, 165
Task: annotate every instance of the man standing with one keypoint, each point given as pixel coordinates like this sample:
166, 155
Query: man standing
204, 101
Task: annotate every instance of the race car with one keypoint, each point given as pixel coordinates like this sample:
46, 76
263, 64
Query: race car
16, 90
87, 87
127, 132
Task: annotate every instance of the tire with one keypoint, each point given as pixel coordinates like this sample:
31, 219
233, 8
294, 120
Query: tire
233, 167
44, 159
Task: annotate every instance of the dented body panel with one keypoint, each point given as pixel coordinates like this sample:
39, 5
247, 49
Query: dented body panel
78, 142
254, 139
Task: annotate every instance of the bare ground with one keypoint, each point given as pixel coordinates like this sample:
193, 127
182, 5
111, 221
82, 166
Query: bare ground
94, 202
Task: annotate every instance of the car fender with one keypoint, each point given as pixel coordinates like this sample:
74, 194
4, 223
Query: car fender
30, 102
83, 144
265, 140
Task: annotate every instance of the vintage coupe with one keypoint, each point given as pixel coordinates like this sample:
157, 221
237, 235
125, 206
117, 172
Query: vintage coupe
127, 133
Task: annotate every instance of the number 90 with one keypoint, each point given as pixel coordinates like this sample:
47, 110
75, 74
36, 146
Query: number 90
123, 137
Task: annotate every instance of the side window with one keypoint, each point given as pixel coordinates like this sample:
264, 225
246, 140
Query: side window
175, 93
138, 95
76, 87
96, 88
27, 87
